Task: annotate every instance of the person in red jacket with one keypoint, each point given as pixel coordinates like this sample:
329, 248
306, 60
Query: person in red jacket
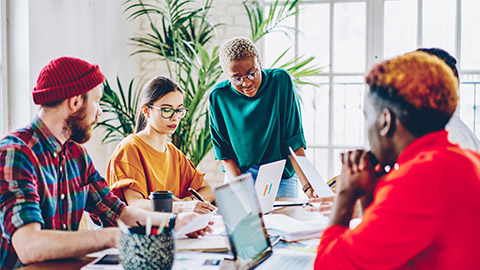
424, 212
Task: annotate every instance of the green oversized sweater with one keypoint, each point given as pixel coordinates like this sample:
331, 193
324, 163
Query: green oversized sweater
259, 129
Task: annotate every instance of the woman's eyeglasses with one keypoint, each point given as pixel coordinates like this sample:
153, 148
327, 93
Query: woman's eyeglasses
168, 113
238, 80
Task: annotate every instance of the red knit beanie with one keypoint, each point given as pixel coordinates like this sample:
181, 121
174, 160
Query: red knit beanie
65, 77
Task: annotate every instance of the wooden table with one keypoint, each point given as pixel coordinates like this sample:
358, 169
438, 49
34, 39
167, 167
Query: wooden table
65, 264
297, 212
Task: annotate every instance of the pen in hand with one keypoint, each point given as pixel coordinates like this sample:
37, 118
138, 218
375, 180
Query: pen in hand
196, 194
200, 198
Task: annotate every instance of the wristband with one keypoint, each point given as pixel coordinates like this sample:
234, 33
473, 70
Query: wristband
306, 187
171, 223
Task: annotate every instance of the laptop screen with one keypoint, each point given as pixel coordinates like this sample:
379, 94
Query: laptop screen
239, 207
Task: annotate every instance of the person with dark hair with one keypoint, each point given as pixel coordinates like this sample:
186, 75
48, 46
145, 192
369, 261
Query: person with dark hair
48, 181
423, 212
145, 162
255, 117
458, 132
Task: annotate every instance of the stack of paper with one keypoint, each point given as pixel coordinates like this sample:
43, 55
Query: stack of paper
216, 241
211, 243
291, 229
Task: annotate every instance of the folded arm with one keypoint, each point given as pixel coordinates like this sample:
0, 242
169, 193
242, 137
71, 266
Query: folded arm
33, 244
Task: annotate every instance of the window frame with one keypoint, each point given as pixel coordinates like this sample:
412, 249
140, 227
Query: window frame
371, 52
375, 27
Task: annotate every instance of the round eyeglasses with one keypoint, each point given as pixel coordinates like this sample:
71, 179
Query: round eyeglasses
238, 80
168, 113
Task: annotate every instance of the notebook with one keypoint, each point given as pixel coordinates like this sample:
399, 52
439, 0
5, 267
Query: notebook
267, 183
208, 243
246, 231
309, 173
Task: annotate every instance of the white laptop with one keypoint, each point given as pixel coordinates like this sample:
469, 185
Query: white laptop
248, 237
267, 183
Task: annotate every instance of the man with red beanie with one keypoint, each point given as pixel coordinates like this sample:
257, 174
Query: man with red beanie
47, 179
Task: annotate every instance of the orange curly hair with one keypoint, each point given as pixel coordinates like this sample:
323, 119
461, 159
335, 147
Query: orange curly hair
422, 80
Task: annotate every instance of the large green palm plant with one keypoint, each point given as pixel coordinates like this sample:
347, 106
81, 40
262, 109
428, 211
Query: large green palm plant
179, 31
178, 34
122, 109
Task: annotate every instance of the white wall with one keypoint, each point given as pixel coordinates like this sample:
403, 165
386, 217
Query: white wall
3, 68
98, 32
18, 49
41, 30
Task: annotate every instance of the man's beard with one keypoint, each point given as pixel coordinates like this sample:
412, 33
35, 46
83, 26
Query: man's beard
80, 129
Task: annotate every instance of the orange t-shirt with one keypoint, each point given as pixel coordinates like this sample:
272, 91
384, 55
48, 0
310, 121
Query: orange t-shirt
138, 166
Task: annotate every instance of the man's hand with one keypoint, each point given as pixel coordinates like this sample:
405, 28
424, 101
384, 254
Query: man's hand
112, 233
357, 177
185, 218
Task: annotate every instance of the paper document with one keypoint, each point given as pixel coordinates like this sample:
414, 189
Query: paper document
198, 223
197, 261
212, 243
311, 174
291, 229
218, 226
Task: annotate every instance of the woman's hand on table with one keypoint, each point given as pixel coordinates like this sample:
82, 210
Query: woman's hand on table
194, 206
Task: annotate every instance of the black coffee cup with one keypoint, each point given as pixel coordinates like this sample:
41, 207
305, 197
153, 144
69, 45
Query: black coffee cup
162, 201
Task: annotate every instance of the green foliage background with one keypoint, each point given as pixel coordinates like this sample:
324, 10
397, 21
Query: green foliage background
179, 35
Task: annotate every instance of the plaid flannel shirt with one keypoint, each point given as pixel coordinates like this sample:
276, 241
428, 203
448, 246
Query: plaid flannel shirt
49, 183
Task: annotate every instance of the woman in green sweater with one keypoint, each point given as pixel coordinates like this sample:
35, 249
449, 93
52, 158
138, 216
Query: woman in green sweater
255, 116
